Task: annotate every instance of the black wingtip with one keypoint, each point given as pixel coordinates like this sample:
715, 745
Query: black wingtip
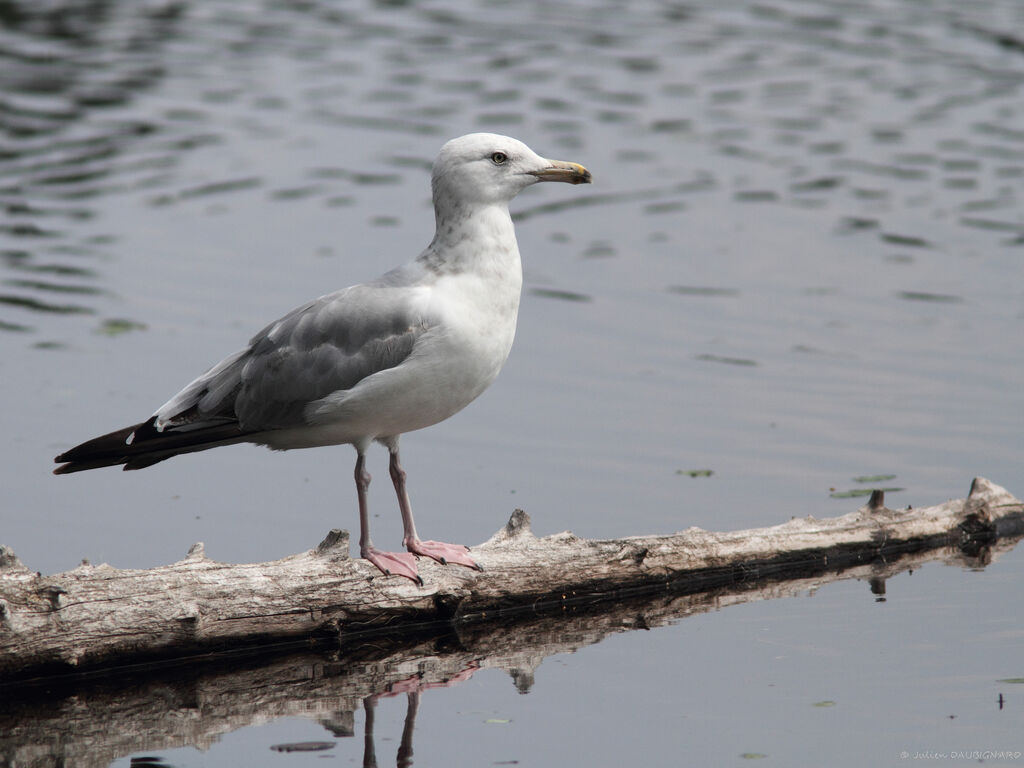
81, 466
142, 445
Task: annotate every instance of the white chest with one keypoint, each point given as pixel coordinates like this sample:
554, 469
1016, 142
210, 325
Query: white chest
478, 314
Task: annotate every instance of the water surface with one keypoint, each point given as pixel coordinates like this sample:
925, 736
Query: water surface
799, 264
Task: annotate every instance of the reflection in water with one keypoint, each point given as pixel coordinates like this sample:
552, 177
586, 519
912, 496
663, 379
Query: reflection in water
195, 703
404, 757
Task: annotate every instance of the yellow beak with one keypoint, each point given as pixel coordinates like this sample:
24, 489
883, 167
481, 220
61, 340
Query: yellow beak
559, 170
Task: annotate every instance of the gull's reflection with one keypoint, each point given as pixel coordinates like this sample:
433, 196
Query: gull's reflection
412, 687
404, 757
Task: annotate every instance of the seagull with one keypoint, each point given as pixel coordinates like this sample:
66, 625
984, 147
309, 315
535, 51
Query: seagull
372, 361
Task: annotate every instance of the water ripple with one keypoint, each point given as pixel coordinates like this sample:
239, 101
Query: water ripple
837, 108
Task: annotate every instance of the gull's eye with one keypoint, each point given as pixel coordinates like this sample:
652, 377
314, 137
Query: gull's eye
498, 158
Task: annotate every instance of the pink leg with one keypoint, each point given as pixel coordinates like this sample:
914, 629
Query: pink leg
444, 553
390, 563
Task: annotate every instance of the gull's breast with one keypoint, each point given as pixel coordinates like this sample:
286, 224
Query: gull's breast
469, 338
478, 315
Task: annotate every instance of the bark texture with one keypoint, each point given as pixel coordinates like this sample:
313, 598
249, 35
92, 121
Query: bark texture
96, 615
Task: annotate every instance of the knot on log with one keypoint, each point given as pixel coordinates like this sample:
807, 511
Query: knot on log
632, 552
518, 524
189, 618
515, 532
977, 513
52, 593
9, 560
980, 487
335, 544
877, 500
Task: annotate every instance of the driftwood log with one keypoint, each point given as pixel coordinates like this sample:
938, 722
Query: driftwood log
88, 723
96, 616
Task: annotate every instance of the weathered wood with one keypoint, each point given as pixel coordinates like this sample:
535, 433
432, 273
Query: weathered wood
194, 704
99, 615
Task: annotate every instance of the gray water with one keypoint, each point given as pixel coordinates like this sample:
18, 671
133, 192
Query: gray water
799, 264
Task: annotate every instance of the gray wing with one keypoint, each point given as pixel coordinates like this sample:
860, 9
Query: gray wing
329, 344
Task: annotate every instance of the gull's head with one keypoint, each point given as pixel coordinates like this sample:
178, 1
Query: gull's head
492, 169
